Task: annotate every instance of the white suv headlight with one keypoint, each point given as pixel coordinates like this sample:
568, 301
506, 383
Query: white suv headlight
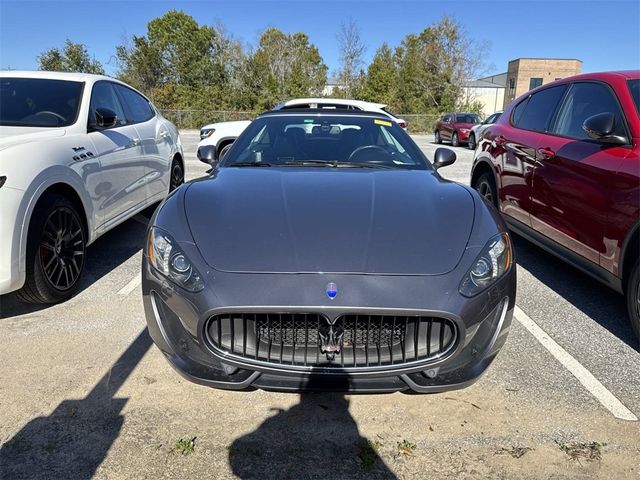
168, 258
493, 262
206, 133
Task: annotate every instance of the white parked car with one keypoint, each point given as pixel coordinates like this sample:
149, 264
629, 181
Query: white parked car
79, 154
216, 138
340, 104
477, 131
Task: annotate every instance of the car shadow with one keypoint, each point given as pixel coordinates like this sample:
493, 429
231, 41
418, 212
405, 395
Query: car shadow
74, 439
594, 299
107, 253
316, 438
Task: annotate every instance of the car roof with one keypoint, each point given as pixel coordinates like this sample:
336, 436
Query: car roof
334, 101
71, 76
322, 113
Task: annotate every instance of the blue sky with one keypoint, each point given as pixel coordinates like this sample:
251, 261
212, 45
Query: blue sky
604, 34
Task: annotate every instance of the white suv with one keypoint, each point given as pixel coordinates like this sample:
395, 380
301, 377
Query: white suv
79, 154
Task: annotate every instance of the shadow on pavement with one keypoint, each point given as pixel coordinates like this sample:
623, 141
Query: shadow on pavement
106, 254
317, 438
73, 441
595, 300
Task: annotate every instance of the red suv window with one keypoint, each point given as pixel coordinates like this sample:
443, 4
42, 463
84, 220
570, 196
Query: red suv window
536, 112
582, 101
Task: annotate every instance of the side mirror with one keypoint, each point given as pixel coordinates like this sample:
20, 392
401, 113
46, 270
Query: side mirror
208, 154
443, 157
105, 118
601, 126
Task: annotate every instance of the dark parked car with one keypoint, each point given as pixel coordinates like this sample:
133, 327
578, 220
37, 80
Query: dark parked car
455, 127
563, 166
325, 252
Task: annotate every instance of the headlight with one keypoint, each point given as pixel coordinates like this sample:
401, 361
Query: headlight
494, 260
206, 132
169, 259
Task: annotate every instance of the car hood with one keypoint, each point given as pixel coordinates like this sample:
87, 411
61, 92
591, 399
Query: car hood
231, 125
297, 220
10, 136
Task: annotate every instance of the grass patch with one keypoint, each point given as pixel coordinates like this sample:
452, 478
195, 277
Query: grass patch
591, 451
185, 446
405, 447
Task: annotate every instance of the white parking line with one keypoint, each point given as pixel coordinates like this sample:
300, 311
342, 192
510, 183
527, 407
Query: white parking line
584, 376
131, 286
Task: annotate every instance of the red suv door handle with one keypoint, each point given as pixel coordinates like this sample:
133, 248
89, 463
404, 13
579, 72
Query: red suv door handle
546, 153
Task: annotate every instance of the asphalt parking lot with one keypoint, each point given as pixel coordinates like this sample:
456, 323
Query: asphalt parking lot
84, 393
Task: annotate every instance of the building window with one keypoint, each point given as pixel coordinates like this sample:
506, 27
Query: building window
512, 87
534, 83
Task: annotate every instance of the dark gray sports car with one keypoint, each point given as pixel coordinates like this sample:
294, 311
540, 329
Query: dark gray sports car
325, 252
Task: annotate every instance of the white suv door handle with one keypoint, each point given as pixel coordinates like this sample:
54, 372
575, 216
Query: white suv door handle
134, 142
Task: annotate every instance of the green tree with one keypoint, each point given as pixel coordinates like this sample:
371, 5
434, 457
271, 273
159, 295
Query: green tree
285, 66
433, 66
74, 57
379, 84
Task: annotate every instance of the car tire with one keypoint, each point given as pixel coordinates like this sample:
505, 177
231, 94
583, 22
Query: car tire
177, 175
486, 187
472, 142
633, 298
454, 140
56, 250
438, 138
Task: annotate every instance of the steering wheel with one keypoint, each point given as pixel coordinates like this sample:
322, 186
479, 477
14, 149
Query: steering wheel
49, 112
367, 150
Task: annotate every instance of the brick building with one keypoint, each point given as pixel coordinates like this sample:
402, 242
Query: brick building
524, 74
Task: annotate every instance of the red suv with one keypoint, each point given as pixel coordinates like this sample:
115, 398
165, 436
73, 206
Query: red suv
563, 167
455, 127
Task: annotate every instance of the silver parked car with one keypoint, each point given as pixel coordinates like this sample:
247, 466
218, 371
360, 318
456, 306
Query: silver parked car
477, 131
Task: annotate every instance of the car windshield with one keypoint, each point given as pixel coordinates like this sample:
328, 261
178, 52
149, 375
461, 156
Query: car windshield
322, 139
634, 89
39, 102
467, 118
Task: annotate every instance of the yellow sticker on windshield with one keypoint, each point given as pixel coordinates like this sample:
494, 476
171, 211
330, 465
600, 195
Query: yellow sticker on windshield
382, 122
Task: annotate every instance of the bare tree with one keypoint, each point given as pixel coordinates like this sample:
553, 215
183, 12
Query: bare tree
352, 50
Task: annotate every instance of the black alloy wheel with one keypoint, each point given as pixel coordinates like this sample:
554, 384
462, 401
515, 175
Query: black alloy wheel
177, 175
633, 298
62, 248
56, 249
486, 187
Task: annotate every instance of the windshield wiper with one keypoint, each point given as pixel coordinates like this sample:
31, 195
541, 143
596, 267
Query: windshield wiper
361, 165
250, 164
337, 164
315, 163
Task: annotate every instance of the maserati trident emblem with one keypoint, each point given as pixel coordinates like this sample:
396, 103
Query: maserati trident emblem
331, 337
331, 290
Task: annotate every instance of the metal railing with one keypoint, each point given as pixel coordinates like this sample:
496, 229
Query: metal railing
196, 119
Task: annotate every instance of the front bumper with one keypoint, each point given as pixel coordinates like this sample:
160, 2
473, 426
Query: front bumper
177, 322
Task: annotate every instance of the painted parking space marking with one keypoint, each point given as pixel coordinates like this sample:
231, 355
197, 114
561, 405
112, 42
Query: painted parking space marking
131, 286
584, 376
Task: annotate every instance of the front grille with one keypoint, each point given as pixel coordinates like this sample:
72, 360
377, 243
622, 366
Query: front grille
310, 340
